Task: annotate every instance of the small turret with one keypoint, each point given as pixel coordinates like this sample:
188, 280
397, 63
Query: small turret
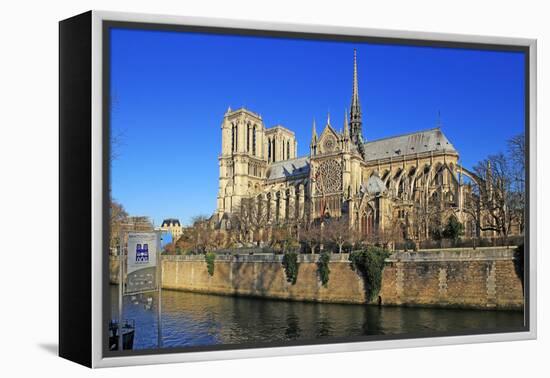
313, 145
346, 129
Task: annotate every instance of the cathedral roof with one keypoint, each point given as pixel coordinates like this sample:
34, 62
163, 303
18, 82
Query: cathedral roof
273, 129
408, 144
288, 168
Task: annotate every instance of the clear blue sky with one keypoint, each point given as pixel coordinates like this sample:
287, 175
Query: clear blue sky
171, 89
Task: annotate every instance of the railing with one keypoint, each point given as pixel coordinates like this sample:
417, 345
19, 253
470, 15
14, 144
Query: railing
471, 243
263, 257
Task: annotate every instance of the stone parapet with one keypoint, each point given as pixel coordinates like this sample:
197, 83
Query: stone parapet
484, 278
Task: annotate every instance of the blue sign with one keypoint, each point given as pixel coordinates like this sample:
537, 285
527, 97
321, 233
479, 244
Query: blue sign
142, 253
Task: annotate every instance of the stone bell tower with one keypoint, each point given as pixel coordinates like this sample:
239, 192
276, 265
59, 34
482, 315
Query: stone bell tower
243, 162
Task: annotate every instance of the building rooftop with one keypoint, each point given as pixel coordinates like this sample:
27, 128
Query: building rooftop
408, 144
288, 168
171, 222
401, 145
272, 129
231, 112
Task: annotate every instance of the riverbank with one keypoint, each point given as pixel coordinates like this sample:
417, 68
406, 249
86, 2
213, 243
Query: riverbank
484, 278
193, 319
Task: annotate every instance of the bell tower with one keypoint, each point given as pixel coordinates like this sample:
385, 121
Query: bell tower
242, 161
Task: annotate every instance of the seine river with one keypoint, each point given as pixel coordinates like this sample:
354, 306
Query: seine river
190, 319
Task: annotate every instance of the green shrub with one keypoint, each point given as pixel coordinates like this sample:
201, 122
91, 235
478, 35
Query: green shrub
209, 258
290, 263
453, 229
410, 245
369, 263
323, 269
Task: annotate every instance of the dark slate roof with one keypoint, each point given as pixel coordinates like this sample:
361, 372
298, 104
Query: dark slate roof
171, 222
407, 144
288, 168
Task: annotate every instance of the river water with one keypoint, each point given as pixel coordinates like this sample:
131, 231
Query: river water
190, 319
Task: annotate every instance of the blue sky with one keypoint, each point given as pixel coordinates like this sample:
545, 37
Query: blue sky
170, 90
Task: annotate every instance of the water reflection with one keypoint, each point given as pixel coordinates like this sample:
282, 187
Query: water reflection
191, 319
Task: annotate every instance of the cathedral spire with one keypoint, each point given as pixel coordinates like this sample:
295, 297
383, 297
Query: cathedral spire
355, 94
328, 118
355, 111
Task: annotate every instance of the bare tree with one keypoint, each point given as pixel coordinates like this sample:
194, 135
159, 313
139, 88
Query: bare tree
338, 231
391, 233
118, 217
199, 233
516, 151
249, 220
185, 241
118, 139
312, 236
499, 202
217, 239
283, 238
241, 222
496, 201
425, 217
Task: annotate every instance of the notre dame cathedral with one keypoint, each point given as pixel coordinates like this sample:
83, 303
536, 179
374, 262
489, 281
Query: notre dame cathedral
375, 185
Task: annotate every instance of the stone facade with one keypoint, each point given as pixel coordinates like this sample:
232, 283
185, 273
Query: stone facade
376, 185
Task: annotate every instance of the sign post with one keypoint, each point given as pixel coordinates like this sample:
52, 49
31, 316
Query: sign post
120, 289
159, 296
143, 272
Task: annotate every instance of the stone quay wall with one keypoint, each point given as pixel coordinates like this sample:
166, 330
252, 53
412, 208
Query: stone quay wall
484, 278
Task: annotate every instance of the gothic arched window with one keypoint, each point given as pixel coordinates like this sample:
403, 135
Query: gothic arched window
247, 138
254, 140
288, 149
269, 150
236, 137
233, 138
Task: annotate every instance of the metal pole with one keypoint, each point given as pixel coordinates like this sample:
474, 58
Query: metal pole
120, 284
159, 296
